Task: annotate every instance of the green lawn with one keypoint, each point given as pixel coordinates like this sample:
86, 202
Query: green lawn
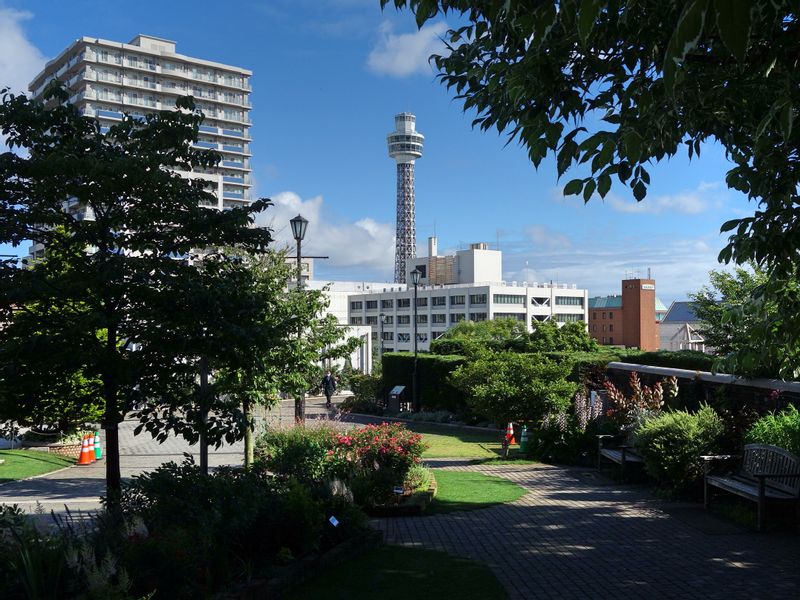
397, 573
462, 490
20, 464
445, 443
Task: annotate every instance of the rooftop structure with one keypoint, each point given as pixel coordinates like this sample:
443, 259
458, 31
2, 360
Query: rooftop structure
629, 319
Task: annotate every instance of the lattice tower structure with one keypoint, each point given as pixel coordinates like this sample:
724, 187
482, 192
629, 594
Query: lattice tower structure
405, 146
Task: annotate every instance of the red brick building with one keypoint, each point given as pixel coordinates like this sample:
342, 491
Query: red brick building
630, 319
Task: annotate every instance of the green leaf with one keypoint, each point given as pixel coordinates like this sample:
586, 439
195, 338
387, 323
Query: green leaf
573, 188
733, 23
633, 145
786, 119
639, 191
588, 15
728, 225
588, 190
683, 40
603, 184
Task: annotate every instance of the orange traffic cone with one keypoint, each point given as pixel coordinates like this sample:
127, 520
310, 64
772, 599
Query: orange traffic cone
86, 452
510, 434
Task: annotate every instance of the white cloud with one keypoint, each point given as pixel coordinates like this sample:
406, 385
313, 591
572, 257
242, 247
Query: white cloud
20, 60
546, 238
690, 202
679, 266
401, 55
365, 244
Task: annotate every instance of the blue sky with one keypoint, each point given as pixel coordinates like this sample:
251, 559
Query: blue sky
329, 75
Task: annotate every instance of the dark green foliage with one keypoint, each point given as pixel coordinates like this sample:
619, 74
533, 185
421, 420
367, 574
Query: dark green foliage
590, 366
672, 443
781, 429
298, 452
569, 337
367, 388
690, 360
506, 386
435, 391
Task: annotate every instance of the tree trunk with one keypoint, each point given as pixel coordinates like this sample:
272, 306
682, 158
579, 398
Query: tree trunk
112, 420
247, 408
203, 415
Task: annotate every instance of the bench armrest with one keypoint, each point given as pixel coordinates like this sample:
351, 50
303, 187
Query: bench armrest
605, 435
765, 475
712, 457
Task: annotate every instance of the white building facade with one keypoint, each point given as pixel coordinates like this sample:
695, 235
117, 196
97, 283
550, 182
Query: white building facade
390, 312
106, 79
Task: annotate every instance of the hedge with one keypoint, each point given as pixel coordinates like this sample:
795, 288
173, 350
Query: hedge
432, 375
466, 347
691, 360
589, 365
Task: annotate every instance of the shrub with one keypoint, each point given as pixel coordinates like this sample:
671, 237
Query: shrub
417, 478
299, 452
366, 388
691, 360
672, 443
781, 429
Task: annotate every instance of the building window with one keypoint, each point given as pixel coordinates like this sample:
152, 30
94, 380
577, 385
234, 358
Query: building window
422, 319
611, 327
356, 321
403, 320
477, 298
403, 337
508, 299
422, 302
422, 337
438, 318
568, 318
517, 316
403, 302
477, 317
356, 305
569, 300
594, 316
611, 340
374, 336
388, 320
388, 349
457, 300
439, 301
610, 315
594, 327
457, 317
387, 303
604, 315
372, 304
437, 334
605, 328
372, 320
388, 335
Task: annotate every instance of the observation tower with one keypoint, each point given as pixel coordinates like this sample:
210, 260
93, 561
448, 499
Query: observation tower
405, 146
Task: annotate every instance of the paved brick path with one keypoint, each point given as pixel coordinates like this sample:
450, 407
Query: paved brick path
575, 535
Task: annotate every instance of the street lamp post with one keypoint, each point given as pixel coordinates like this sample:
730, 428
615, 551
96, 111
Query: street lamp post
299, 226
382, 320
415, 275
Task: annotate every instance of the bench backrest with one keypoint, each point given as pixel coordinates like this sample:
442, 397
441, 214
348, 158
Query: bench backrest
776, 462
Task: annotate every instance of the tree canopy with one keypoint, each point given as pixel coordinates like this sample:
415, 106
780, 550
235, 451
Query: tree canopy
609, 87
138, 278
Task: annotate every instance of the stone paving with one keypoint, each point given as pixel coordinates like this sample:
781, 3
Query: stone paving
577, 535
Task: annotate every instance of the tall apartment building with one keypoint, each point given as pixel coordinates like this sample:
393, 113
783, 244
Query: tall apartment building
472, 297
106, 79
630, 319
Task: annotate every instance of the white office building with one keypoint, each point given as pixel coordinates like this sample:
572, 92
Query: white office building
106, 79
389, 310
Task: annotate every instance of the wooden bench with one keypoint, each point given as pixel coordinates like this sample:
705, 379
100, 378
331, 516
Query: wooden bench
620, 454
766, 473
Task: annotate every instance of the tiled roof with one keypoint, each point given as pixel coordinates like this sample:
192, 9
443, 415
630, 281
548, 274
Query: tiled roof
605, 302
681, 312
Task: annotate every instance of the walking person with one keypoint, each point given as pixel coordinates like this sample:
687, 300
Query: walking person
328, 387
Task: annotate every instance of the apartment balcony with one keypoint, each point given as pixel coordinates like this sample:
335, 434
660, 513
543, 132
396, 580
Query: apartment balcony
209, 129
237, 180
236, 164
205, 145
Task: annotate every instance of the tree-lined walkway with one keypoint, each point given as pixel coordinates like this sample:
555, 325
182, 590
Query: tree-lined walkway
576, 535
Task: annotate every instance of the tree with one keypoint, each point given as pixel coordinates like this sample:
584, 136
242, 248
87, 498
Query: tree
294, 337
494, 329
731, 321
548, 336
507, 386
611, 86
145, 265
